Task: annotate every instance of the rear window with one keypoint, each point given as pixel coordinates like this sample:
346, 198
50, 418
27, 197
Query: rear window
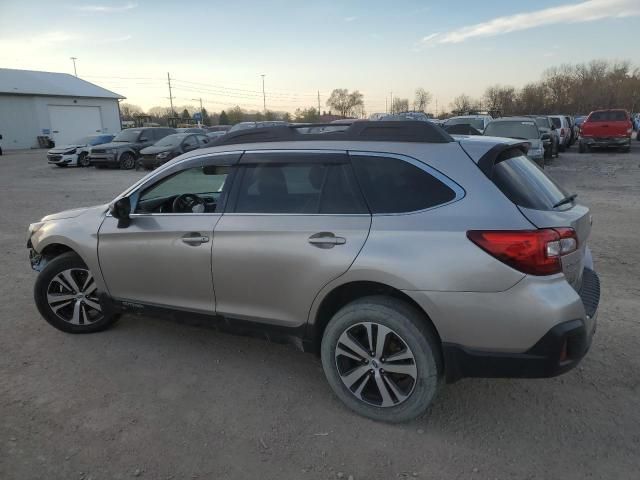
391, 185
608, 116
556, 122
526, 185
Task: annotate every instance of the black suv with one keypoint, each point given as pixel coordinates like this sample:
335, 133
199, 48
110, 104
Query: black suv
125, 148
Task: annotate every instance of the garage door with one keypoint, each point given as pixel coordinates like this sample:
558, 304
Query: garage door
70, 123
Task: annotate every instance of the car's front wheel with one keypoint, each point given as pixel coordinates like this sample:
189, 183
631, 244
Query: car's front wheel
127, 161
382, 359
83, 160
66, 296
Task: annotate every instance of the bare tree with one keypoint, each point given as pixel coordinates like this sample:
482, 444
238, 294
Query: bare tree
400, 105
462, 104
422, 100
345, 102
128, 110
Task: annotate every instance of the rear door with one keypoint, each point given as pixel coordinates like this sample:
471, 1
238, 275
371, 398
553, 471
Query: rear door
295, 221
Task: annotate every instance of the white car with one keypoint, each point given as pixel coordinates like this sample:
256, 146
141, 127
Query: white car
77, 153
564, 130
479, 122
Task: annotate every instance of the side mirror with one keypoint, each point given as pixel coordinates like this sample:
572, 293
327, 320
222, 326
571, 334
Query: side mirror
121, 209
545, 136
0, 136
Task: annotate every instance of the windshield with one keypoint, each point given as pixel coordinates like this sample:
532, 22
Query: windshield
542, 122
519, 129
170, 140
476, 123
100, 139
128, 135
83, 141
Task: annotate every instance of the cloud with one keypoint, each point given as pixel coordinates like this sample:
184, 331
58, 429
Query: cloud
586, 11
104, 8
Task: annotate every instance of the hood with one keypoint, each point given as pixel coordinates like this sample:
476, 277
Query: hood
76, 212
64, 148
152, 150
109, 145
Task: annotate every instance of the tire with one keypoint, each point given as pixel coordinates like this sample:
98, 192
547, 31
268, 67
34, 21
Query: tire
83, 160
406, 328
582, 148
74, 312
548, 153
127, 161
561, 148
101, 167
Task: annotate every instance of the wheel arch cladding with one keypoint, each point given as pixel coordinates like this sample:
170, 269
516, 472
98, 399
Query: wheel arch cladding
351, 291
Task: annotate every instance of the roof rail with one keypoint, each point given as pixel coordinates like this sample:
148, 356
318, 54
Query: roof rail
370, 131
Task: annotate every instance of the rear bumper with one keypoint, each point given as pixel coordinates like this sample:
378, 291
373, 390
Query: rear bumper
103, 159
612, 142
558, 351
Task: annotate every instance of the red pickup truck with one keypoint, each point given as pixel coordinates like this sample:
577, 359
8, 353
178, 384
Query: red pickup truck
606, 129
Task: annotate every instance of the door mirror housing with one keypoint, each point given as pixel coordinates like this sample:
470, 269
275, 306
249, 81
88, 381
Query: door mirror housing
121, 209
545, 137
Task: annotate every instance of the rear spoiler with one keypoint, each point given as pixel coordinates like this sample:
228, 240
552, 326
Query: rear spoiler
499, 153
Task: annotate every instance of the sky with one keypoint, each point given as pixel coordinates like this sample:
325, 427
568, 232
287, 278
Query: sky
218, 50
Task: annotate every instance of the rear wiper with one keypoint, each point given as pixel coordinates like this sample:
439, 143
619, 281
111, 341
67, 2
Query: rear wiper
565, 200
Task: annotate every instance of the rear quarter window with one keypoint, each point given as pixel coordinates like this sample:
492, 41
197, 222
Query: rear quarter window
525, 184
392, 185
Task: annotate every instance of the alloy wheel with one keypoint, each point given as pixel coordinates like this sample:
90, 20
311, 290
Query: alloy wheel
376, 364
72, 296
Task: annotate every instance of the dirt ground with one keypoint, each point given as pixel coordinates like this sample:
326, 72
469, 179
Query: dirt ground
159, 400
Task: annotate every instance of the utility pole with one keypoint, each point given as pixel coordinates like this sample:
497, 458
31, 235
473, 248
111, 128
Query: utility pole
73, 59
170, 96
264, 97
319, 105
386, 106
391, 103
436, 108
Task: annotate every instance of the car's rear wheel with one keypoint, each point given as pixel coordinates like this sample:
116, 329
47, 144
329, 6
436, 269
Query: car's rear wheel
382, 358
67, 297
127, 161
83, 160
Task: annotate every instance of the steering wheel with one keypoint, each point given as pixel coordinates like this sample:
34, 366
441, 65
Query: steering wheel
187, 203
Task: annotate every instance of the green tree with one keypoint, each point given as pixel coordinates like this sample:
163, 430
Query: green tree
235, 115
206, 120
185, 114
223, 119
307, 115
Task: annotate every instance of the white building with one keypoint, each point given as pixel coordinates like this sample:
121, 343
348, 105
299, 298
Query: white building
58, 105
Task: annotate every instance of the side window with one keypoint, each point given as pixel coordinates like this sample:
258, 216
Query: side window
190, 143
341, 194
206, 183
281, 188
391, 185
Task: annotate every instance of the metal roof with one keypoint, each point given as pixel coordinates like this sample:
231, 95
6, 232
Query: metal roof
29, 82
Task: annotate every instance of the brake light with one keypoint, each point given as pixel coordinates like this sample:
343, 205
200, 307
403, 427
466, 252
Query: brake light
562, 132
536, 252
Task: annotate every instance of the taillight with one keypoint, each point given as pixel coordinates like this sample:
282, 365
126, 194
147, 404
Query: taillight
562, 132
536, 252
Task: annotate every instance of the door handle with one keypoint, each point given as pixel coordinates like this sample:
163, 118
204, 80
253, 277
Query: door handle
195, 239
326, 240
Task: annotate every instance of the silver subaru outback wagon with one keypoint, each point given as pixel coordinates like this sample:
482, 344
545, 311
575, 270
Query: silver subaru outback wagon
404, 257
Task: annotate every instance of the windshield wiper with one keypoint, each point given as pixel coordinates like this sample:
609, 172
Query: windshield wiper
565, 200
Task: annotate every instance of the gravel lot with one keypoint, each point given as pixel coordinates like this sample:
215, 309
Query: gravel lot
159, 400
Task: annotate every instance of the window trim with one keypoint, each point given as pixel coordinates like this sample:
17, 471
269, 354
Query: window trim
459, 192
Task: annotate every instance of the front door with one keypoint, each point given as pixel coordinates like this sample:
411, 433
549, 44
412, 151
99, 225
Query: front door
163, 257
294, 222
